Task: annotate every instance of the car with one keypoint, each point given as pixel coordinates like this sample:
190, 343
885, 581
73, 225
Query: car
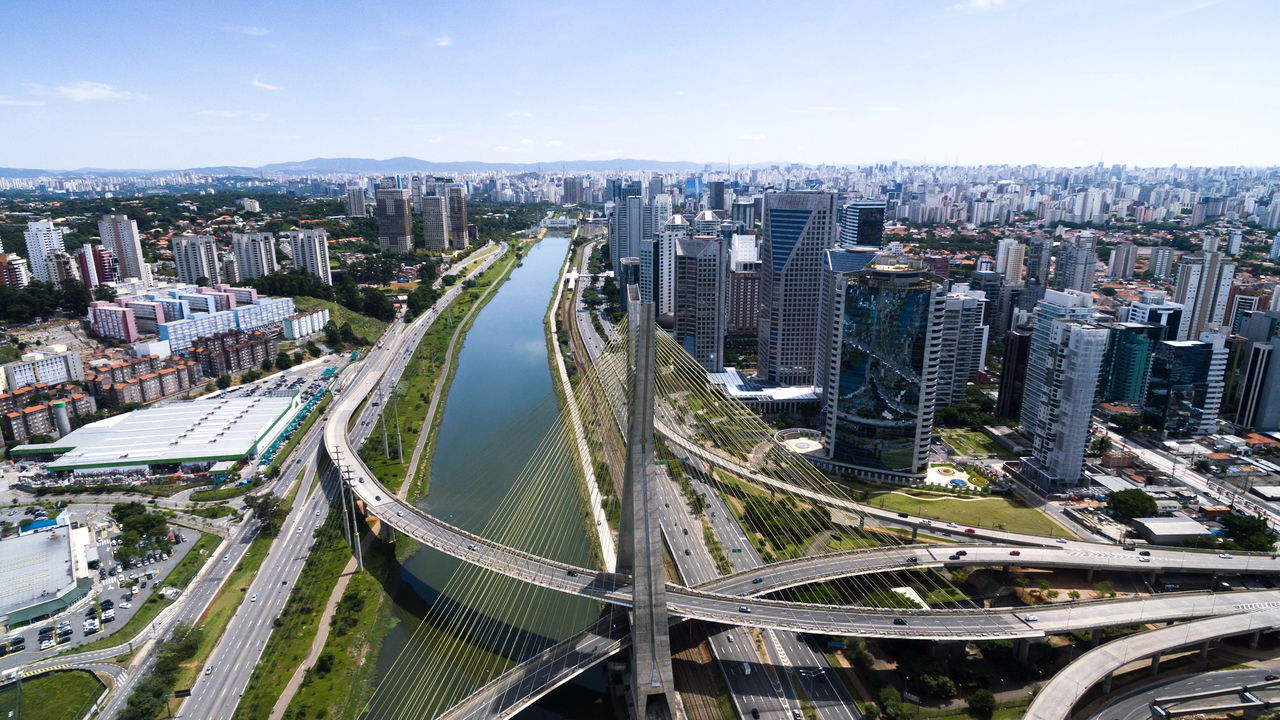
317, 513
573, 573
126, 605
755, 714
962, 553
913, 559
1269, 678
1145, 553
686, 551
472, 546
1062, 540
1015, 553
953, 557
46, 644
1225, 556
1029, 618
744, 609
399, 513
757, 581
926, 522
899, 621
208, 670
951, 524
1144, 558
970, 530
16, 640
378, 498
795, 715
685, 530
253, 598
903, 515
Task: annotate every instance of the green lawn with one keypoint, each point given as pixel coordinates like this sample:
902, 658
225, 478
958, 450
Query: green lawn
179, 577
994, 512
366, 327
52, 696
850, 539
973, 443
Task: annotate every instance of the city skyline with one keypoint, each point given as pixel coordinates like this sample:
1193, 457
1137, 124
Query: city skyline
953, 81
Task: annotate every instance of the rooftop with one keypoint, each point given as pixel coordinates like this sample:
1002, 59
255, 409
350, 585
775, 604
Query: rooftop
209, 429
34, 567
737, 386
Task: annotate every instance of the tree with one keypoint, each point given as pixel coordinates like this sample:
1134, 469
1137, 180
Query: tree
270, 511
1127, 424
1100, 446
267, 365
1130, 504
284, 361
982, 703
202, 281
104, 292
312, 349
224, 381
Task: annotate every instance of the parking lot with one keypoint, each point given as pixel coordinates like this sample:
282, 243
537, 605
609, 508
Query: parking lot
69, 629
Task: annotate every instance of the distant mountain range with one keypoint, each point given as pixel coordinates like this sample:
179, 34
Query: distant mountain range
320, 166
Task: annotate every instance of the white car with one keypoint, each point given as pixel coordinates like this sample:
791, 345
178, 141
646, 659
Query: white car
1029, 618
253, 598
126, 605
1225, 556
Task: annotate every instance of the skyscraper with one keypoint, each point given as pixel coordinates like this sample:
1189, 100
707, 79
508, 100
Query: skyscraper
97, 265
13, 271
742, 295
44, 241
1013, 373
1012, 270
120, 236
1127, 365
657, 266
881, 345
195, 257
311, 253
355, 202
797, 227
963, 343
1160, 265
1063, 364
862, 223
700, 265
395, 224
1077, 261
634, 220
435, 223
1203, 287
1185, 391
1039, 257
1123, 257
457, 198
255, 254
715, 196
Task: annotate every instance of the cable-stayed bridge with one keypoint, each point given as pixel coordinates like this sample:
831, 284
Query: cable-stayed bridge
689, 419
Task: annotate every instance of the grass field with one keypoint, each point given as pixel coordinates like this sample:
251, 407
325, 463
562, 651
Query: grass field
179, 577
363, 325
995, 512
972, 443
52, 696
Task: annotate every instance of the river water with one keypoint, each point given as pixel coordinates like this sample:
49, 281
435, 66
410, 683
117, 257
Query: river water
500, 406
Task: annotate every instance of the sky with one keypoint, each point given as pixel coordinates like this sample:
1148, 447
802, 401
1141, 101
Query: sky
1071, 82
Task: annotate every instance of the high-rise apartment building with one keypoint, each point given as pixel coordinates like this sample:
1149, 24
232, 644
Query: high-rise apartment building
797, 228
395, 224
1127, 364
14, 272
311, 253
716, 196
742, 297
255, 254
1013, 373
1077, 263
882, 327
1123, 257
862, 223
195, 257
355, 202
1063, 365
1160, 264
700, 265
964, 343
44, 241
120, 236
1039, 258
435, 223
1186, 386
1203, 287
97, 266
635, 220
457, 201
1011, 267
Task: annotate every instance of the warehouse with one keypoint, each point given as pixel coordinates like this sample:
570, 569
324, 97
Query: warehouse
186, 437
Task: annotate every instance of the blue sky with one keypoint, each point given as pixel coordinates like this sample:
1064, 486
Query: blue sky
182, 84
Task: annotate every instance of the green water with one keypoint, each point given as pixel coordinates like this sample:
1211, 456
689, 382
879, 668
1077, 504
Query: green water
500, 407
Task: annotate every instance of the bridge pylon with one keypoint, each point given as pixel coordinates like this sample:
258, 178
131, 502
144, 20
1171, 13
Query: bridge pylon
640, 551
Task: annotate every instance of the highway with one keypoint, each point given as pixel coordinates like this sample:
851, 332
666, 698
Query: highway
1056, 699
1135, 705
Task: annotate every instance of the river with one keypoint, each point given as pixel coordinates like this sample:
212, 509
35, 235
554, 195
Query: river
500, 406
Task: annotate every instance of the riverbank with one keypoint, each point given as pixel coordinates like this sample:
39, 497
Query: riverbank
403, 418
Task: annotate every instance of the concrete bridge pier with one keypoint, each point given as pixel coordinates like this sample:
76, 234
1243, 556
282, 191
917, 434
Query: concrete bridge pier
1096, 640
1021, 648
1088, 577
1254, 639
915, 532
1204, 650
1106, 682
1155, 664
386, 533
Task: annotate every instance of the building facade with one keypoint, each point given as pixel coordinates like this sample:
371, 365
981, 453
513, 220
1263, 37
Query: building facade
195, 257
700, 265
120, 236
395, 223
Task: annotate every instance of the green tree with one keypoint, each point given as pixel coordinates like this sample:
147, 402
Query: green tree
270, 511
224, 381
267, 366
1130, 504
284, 361
982, 704
104, 292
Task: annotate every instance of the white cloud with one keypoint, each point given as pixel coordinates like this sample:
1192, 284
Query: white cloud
258, 83
979, 5
555, 142
87, 91
501, 148
442, 41
258, 117
220, 113
526, 141
752, 137
253, 31
519, 114
21, 103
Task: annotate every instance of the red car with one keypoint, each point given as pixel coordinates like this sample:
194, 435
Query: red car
969, 530
1015, 552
